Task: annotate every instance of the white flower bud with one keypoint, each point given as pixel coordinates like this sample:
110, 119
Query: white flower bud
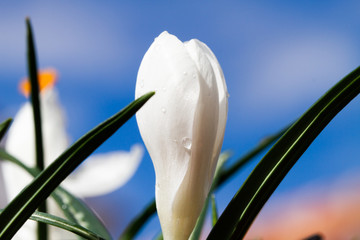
182, 126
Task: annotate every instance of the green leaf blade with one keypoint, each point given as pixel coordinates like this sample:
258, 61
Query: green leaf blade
214, 212
73, 208
4, 126
12, 218
46, 218
35, 101
136, 224
270, 171
34, 95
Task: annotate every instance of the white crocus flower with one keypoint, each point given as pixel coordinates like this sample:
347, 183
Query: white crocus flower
182, 126
99, 175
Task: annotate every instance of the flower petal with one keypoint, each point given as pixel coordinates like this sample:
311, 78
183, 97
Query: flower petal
223, 100
104, 173
21, 140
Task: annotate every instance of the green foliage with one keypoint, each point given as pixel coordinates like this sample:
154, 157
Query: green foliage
267, 175
35, 101
214, 213
24, 204
73, 208
64, 224
4, 126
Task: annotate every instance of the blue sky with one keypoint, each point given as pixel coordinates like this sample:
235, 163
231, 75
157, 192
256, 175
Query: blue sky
278, 57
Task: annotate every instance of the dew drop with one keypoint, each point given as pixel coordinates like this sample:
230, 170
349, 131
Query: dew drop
194, 76
186, 142
185, 73
64, 206
164, 89
163, 110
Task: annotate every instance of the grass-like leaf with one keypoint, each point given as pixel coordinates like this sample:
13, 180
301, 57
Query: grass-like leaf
159, 236
241, 162
137, 223
73, 208
267, 175
35, 101
4, 126
34, 95
64, 224
25, 203
214, 213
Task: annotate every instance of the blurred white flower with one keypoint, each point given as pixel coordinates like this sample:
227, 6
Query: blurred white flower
117, 166
182, 126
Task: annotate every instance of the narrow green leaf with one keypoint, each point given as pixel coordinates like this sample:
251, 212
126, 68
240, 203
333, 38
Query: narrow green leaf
77, 211
4, 126
267, 175
35, 101
135, 225
159, 236
214, 213
264, 143
34, 95
64, 224
73, 208
24, 204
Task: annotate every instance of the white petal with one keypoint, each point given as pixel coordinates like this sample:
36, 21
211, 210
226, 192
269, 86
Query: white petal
28, 231
193, 191
21, 140
56, 139
223, 102
3, 197
104, 173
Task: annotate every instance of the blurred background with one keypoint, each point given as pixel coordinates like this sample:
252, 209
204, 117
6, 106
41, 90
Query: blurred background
278, 58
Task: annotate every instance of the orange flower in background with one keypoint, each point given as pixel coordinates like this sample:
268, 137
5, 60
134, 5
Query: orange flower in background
47, 79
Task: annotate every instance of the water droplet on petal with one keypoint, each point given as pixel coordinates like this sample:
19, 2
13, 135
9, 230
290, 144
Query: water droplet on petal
185, 73
186, 142
163, 110
194, 76
64, 206
227, 95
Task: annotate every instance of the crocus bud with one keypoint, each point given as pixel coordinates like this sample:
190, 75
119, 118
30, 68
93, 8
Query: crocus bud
182, 126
